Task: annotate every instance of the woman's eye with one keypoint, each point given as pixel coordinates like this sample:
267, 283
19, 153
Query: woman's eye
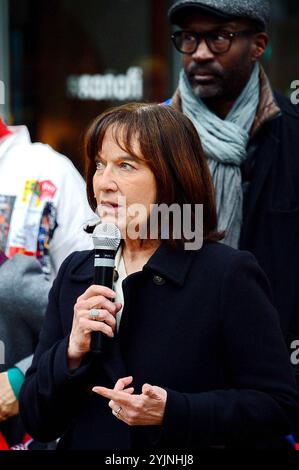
126, 166
99, 166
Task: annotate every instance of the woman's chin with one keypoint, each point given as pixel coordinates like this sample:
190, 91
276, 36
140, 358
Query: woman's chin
113, 219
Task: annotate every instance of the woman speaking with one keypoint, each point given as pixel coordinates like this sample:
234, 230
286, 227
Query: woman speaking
194, 356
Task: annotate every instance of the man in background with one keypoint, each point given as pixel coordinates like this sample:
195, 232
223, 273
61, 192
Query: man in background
249, 134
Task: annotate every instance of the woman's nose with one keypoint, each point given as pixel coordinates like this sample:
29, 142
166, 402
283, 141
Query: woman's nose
107, 180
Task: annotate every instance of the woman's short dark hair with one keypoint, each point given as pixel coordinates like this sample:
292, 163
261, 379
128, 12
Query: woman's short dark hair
170, 146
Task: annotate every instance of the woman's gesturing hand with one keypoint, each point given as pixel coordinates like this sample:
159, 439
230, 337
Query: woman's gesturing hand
145, 409
95, 297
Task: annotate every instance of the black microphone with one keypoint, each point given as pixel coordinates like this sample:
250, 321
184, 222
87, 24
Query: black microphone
106, 239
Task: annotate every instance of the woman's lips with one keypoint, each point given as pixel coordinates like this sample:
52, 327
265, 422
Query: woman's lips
109, 207
110, 204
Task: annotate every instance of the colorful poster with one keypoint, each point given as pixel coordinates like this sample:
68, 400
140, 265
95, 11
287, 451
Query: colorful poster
29, 221
6, 208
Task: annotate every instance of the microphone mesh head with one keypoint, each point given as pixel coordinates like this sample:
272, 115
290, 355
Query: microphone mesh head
106, 236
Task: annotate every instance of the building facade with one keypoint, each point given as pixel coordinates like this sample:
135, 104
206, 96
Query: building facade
63, 62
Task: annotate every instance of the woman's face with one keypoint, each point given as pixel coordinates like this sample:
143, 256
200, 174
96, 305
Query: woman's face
120, 182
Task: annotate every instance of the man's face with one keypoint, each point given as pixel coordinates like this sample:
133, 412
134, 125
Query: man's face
220, 75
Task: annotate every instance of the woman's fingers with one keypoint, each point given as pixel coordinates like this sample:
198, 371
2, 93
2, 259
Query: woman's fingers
129, 390
88, 326
102, 319
102, 316
97, 302
122, 383
95, 290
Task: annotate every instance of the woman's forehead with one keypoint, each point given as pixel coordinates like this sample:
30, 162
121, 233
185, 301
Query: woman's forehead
122, 136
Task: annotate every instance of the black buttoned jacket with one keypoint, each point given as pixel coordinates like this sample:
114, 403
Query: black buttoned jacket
271, 211
270, 226
204, 329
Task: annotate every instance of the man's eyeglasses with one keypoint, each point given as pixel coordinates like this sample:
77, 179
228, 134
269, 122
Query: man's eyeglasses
218, 42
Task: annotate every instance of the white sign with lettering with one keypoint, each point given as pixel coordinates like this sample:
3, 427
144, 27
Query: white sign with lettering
109, 87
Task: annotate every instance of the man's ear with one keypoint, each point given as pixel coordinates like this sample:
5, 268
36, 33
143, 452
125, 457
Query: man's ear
259, 45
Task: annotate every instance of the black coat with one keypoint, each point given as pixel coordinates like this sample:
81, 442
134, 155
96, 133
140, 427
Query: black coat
271, 211
270, 228
198, 323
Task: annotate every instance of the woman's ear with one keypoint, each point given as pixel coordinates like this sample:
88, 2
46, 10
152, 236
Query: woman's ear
260, 43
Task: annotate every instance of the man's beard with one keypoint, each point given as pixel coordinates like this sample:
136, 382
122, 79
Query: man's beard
205, 81
220, 84
212, 89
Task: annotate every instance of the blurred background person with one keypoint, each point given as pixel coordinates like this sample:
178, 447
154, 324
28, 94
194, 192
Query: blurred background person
43, 208
43, 205
23, 300
192, 335
249, 134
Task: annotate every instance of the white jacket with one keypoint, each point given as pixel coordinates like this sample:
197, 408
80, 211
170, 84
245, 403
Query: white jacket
40, 189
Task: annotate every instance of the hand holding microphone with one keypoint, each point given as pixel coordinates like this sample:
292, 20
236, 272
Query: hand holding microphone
95, 310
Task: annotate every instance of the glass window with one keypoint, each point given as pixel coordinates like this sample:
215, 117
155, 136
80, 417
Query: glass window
282, 57
70, 60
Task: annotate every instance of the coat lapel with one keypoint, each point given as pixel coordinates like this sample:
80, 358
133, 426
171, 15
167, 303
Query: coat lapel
261, 170
171, 264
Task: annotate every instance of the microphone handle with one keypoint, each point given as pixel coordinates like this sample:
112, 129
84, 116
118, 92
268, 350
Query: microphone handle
103, 276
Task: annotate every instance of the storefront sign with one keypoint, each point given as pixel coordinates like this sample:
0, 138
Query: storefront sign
108, 87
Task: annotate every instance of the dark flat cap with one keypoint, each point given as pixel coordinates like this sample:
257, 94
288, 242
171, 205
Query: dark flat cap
255, 10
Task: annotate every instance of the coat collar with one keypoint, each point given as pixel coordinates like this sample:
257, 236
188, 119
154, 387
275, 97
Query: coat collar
172, 264
268, 107
166, 261
268, 110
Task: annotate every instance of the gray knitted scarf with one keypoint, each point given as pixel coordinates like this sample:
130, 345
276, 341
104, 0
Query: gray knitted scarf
224, 143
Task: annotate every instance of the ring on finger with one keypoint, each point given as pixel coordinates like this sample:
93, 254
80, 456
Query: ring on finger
94, 313
117, 412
